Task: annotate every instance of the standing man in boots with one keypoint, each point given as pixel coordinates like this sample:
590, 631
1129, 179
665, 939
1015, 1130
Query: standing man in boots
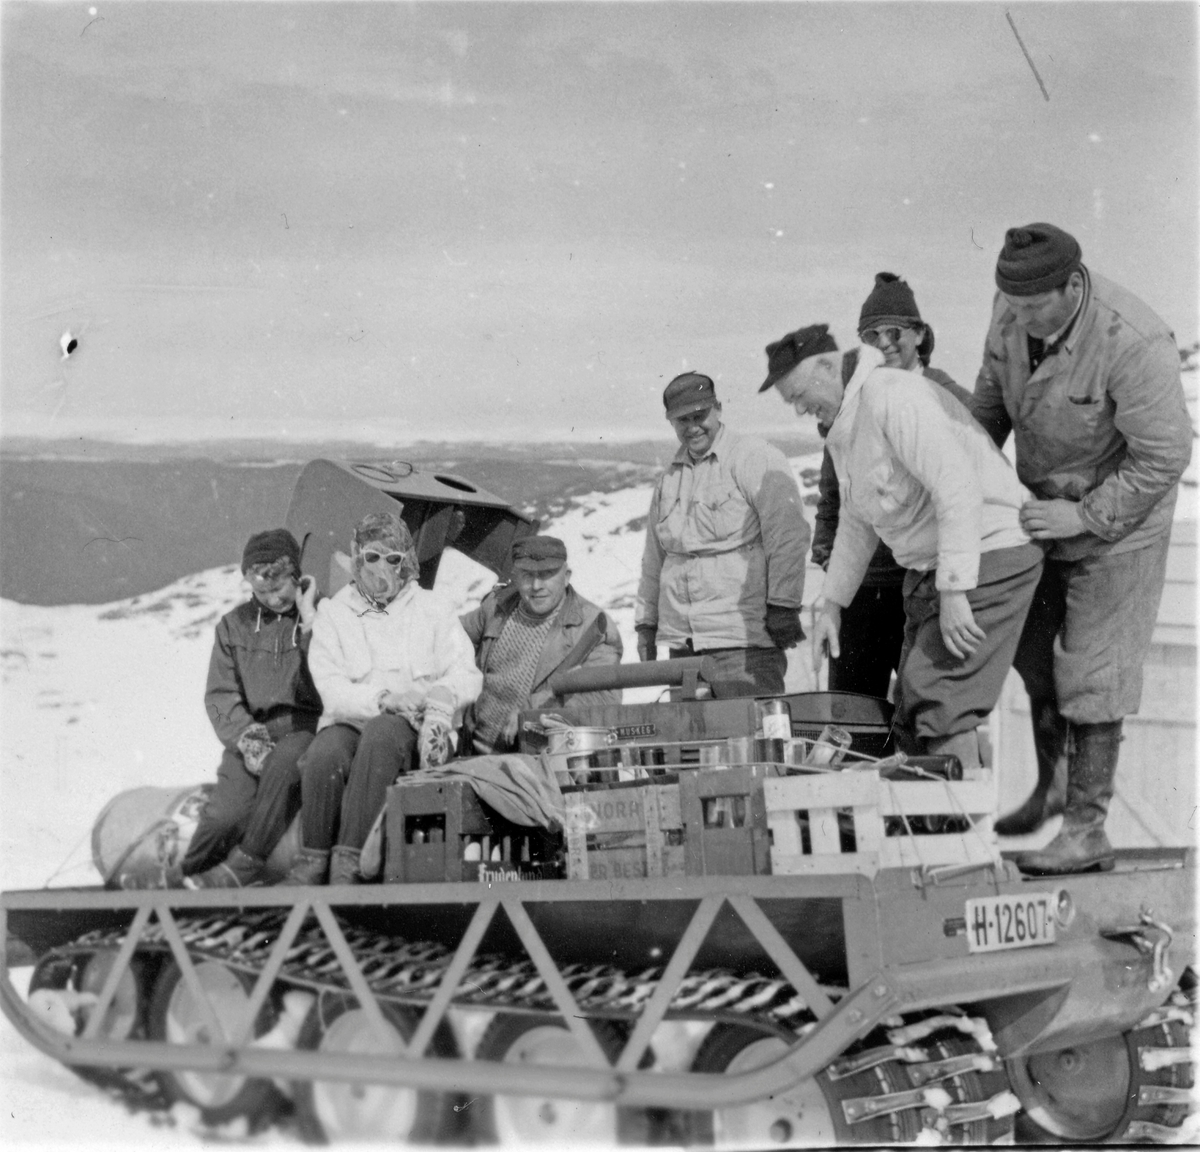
1086, 377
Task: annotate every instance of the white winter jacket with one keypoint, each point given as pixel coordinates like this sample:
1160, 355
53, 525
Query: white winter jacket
917, 472
358, 651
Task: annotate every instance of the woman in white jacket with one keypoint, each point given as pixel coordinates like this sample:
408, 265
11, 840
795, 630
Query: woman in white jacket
395, 670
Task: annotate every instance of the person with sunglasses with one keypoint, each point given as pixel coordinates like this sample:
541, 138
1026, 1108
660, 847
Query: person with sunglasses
872, 631
395, 671
919, 474
264, 708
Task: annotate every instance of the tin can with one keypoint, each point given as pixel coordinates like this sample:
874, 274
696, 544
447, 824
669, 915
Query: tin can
740, 749
775, 719
713, 753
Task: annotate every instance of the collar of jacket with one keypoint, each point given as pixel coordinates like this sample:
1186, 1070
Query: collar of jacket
683, 456
868, 360
570, 614
1076, 324
362, 606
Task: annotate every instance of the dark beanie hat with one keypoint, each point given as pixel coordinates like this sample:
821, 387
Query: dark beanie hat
267, 547
785, 354
891, 301
1035, 259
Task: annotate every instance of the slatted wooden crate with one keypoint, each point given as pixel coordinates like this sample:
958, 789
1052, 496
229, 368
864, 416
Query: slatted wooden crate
725, 820
442, 831
624, 831
858, 821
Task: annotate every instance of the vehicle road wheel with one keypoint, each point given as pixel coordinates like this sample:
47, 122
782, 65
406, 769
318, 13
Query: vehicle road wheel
328, 1112
807, 1115
519, 1120
73, 976
1104, 1091
176, 1017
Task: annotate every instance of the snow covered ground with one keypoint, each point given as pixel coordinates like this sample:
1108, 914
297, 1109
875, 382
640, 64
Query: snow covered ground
97, 699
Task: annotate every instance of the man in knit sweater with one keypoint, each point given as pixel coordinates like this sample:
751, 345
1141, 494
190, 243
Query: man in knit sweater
527, 630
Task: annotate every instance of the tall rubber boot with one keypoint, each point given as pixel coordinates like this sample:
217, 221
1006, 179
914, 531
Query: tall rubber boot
1050, 792
343, 866
311, 866
1081, 845
238, 870
964, 745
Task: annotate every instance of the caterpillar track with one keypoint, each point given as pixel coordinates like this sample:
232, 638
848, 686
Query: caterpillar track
783, 971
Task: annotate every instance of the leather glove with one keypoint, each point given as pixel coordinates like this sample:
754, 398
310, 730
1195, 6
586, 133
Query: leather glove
647, 642
783, 626
255, 745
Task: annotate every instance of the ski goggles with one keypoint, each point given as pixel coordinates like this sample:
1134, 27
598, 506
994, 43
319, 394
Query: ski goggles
271, 577
395, 559
889, 335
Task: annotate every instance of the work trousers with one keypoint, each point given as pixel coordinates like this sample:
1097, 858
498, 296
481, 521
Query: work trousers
345, 775
871, 638
1089, 630
252, 810
940, 695
742, 671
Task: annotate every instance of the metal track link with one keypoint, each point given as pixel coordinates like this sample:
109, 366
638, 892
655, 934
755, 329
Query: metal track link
410, 971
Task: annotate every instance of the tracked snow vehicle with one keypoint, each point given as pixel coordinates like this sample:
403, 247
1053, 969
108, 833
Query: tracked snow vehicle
760, 927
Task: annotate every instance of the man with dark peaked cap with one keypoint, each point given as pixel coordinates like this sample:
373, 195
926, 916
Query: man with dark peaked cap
1086, 378
526, 631
726, 540
918, 473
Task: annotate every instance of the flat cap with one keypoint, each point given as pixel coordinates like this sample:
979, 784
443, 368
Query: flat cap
785, 354
689, 392
539, 554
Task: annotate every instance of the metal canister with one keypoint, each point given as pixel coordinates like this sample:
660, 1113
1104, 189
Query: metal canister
775, 719
740, 749
713, 752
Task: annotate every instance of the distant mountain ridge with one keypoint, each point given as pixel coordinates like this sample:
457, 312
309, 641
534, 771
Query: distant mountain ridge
102, 522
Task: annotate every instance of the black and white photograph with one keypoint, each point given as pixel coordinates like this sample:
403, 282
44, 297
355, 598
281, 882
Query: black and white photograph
598, 573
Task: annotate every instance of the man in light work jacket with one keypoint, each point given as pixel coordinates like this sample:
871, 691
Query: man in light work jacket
726, 541
526, 631
1086, 377
916, 472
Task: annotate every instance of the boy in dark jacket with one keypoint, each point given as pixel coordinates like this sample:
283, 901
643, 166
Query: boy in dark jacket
264, 708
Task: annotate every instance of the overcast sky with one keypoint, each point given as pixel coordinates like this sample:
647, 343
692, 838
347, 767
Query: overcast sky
517, 219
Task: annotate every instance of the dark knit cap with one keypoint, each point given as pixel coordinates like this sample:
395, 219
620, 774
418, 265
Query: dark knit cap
689, 392
1035, 259
267, 547
785, 354
539, 554
891, 302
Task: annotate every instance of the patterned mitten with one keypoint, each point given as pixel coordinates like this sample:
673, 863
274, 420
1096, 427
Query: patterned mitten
255, 745
434, 741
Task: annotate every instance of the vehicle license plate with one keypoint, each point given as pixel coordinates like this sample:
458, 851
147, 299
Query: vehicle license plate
996, 922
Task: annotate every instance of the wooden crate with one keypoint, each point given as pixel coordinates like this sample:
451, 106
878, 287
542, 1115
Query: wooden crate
858, 821
725, 820
441, 831
624, 831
